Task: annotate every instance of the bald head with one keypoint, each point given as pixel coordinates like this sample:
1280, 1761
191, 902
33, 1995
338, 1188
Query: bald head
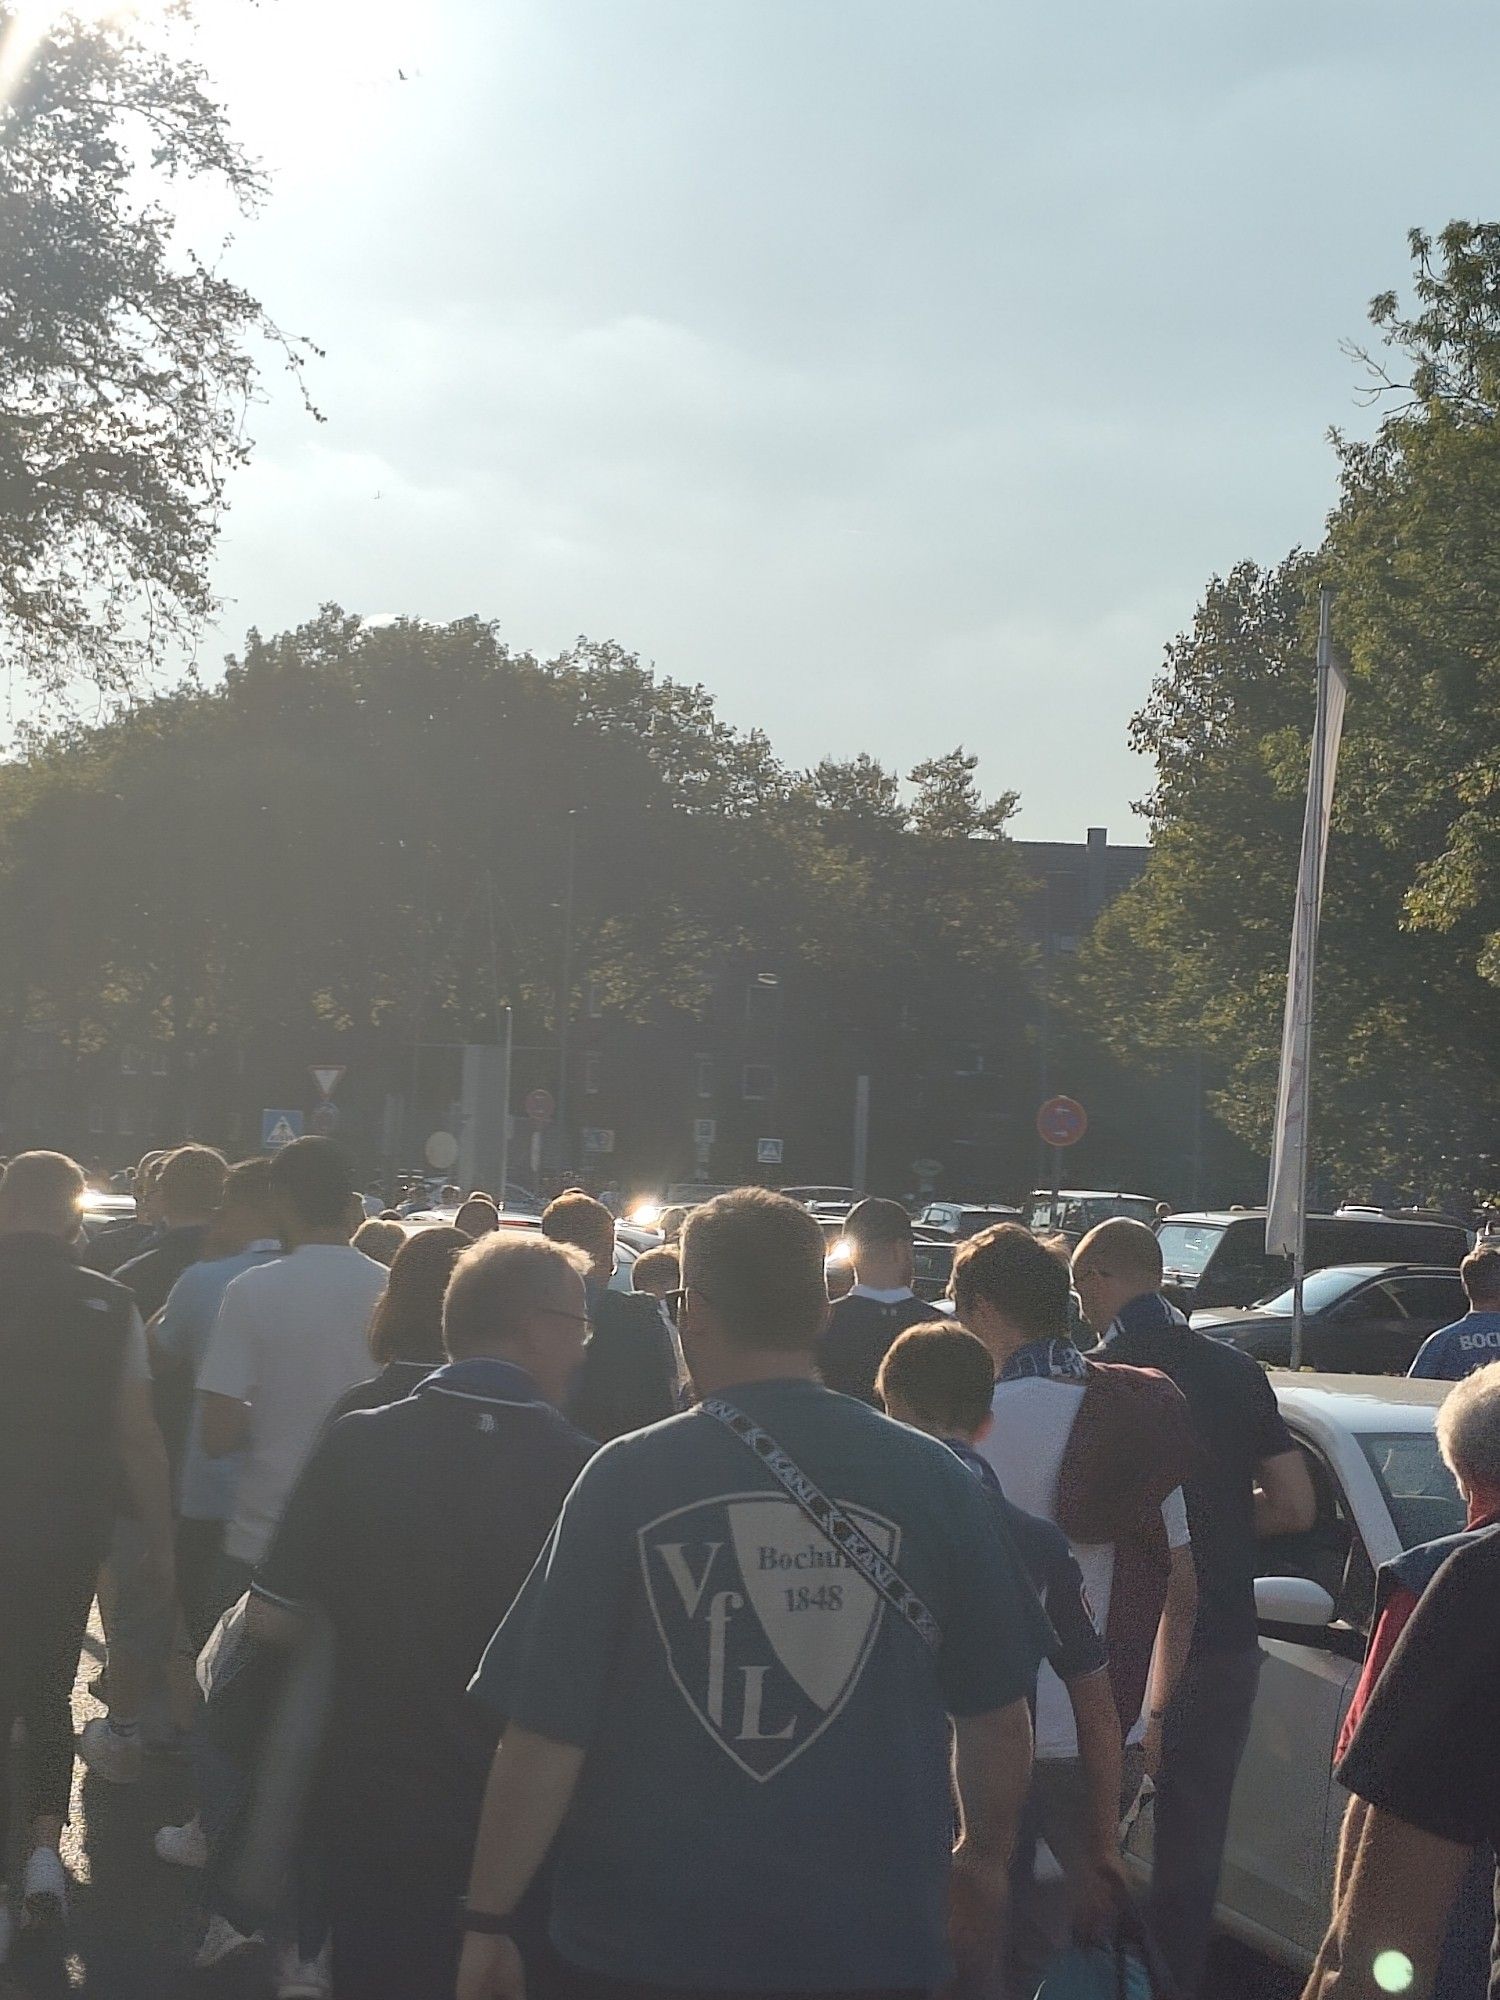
42, 1193
1115, 1263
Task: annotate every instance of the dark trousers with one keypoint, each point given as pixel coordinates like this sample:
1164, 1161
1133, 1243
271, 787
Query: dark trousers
43, 1617
393, 1938
1203, 1740
576, 1984
199, 1546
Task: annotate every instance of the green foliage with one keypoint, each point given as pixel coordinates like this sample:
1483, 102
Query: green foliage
124, 365
1407, 1076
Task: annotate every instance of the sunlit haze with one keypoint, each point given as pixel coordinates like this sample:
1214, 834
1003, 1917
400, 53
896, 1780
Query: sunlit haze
902, 373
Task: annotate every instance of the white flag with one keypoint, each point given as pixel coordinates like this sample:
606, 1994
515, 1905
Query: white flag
1284, 1218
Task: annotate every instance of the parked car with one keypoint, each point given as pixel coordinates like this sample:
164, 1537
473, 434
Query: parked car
626, 1251
1075, 1211
1219, 1257
841, 1198
932, 1267
957, 1219
1358, 1319
1381, 1488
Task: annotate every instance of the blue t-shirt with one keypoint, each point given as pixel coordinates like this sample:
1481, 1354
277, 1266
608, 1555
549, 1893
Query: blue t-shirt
765, 1800
1455, 1351
206, 1489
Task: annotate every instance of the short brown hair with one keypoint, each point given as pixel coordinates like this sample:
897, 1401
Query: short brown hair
942, 1373
1005, 1267
578, 1219
495, 1283
660, 1263
758, 1262
382, 1240
876, 1223
192, 1178
408, 1320
1480, 1272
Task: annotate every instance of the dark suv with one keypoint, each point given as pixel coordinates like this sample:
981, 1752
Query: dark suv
1219, 1258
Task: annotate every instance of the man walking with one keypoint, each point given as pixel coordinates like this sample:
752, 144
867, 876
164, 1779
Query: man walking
75, 1414
1102, 1452
629, 1374
289, 1339
728, 1680
188, 1186
880, 1305
413, 1527
1455, 1351
1252, 1481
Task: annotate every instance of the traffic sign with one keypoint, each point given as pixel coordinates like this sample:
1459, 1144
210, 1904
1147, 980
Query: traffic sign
598, 1139
704, 1131
325, 1119
327, 1077
1062, 1121
442, 1151
278, 1129
768, 1152
540, 1108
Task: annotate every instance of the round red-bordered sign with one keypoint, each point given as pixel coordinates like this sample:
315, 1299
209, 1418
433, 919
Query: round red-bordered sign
540, 1108
1062, 1121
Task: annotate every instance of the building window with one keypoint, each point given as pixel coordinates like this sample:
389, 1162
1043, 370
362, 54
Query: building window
159, 1064
703, 1075
96, 1120
592, 1064
125, 1123
130, 1062
757, 1080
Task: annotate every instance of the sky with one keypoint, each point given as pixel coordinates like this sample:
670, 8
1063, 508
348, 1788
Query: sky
900, 369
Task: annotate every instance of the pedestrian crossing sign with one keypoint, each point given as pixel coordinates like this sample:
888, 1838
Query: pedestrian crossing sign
278, 1129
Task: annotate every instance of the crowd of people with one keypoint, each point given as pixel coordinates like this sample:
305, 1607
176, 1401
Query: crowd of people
532, 1637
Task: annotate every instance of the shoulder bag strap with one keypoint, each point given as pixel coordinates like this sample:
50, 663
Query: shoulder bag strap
830, 1520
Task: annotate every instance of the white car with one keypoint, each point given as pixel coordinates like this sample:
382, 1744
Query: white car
1381, 1488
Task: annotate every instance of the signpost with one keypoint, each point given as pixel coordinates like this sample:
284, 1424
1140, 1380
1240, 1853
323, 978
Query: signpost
325, 1119
278, 1129
441, 1150
704, 1132
598, 1139
768, 1152
327, 1077
1061, 1122
541, 1110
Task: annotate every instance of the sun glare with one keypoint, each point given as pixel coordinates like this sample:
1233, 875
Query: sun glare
29, 22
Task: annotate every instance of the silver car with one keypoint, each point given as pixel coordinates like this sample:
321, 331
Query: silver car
1381, 1488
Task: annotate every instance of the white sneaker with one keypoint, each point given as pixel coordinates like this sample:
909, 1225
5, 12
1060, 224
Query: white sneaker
44, 1887
303, 1978
220, 1941
184, 1846
109, 1755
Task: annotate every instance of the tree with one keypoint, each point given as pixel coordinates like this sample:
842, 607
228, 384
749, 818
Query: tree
948, 805
125, 363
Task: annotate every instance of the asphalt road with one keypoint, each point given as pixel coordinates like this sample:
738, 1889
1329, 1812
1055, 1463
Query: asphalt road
134, 1923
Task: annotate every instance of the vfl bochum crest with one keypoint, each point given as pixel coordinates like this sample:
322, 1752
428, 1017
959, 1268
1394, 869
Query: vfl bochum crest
767, 1627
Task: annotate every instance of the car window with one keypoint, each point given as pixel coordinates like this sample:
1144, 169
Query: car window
1320, 1289
1187, 1246
1039, 1215
1419, 1489
1330, 1552
1430, 1297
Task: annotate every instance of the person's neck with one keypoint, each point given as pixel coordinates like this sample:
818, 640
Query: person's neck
307, 1239
1484, 1505
874, 1279
731, 1370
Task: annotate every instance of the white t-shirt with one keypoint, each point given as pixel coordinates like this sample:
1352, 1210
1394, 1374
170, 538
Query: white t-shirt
1033, 1421
290, 1338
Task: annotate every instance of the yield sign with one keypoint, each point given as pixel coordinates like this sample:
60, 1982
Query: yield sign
327, 1078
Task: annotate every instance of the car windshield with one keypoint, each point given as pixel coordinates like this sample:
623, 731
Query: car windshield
1425, 1503
1320, 1289
1187, 1246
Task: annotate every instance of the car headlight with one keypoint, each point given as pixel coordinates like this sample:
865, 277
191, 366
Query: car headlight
647, 1215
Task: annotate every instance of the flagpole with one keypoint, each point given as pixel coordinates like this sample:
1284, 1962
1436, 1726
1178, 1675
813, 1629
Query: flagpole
1317, 810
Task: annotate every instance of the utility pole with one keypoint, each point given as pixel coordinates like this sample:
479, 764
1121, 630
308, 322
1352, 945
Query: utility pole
861, 1134
565, 993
